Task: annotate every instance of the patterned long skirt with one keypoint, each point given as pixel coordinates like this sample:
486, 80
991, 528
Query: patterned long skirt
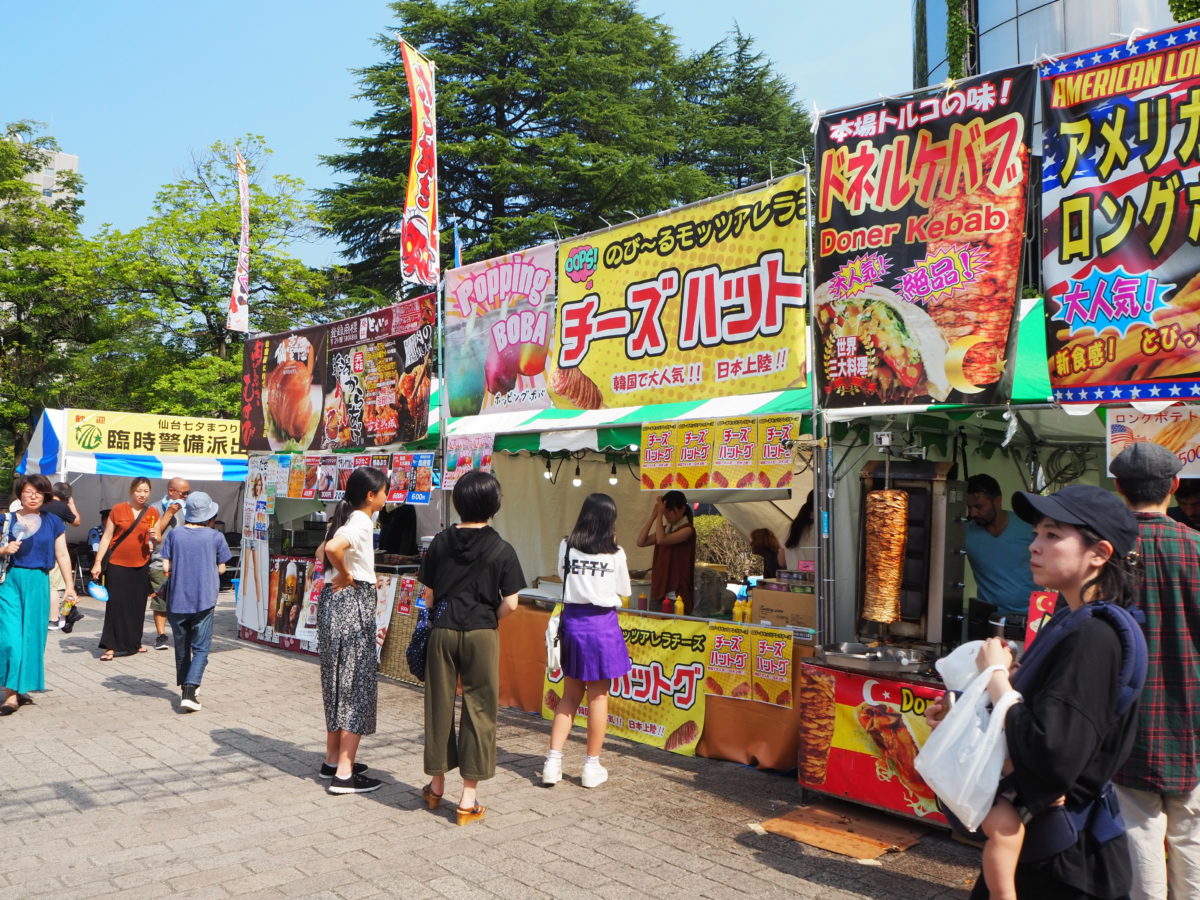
346, 634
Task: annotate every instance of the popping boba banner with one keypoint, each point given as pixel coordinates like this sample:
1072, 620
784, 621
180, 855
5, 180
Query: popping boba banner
920, 222
499, 322
354, 384
708, 300
1121, 219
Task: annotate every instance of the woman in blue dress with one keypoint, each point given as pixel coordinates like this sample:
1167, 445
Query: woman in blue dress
37, 542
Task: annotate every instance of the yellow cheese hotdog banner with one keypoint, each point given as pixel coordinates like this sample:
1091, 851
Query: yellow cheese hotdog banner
752, 453
708, 300
661, 701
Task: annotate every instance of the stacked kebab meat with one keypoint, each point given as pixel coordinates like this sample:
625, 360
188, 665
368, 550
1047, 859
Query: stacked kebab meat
886, 544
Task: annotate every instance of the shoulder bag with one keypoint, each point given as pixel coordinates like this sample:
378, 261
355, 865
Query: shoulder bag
554, 626
417, 652
6, 559
113, 546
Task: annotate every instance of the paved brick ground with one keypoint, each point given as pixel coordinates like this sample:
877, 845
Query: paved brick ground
105, 787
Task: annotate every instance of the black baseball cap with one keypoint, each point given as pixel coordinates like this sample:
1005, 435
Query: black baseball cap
1082, 504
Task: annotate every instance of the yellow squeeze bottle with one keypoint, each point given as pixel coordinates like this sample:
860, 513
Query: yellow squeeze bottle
678, 605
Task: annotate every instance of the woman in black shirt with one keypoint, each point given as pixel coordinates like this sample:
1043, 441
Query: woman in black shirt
472, 577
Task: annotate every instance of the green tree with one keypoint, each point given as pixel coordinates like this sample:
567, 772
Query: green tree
744, 124
45, 319
553, 116
168, 283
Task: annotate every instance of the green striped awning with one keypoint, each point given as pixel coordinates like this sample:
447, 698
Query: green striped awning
618, 428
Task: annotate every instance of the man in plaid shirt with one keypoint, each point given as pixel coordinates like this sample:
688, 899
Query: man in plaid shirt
1159, 785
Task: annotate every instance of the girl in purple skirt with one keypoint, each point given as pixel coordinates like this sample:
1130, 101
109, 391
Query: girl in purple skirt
595, 577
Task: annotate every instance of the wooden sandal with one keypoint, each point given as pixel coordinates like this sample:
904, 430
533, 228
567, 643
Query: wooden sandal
432, 800
467, 816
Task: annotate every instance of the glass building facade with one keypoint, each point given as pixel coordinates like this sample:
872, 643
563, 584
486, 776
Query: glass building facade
1020, 31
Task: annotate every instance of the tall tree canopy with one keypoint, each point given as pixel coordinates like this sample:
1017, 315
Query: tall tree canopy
553, 117
169, 282
46, 317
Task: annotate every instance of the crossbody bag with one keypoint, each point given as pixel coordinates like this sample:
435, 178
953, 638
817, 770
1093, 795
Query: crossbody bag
113, 546
417, 652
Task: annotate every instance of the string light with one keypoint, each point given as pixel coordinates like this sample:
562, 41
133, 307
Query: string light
612, 474
546, 474
577, 481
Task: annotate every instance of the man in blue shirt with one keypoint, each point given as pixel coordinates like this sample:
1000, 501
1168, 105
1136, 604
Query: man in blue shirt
998, 549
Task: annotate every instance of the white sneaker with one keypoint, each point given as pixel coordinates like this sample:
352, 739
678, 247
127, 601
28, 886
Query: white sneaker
593, 775
551, 771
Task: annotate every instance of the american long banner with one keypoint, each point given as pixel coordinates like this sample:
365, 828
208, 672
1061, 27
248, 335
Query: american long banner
1121, 220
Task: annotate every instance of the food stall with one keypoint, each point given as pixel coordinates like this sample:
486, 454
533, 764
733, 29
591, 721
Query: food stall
317, 403
582, 347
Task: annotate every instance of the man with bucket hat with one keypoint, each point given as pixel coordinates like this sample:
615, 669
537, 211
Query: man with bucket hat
194, 558
1159, 785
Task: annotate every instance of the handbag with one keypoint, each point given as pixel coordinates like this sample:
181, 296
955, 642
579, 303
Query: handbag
5, 559
963, 757
416, 654
113, 546
554, 626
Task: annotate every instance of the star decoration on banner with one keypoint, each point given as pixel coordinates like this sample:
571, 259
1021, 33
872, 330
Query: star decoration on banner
1099, 393
1174, 390
1152, 45
1062, 67
1171, 39
1079, 63
1135, 392
1115, 54
1154, 391
1097, 59
1191, 35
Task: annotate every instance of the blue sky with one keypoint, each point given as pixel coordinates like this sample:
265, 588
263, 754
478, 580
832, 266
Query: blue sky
134, 87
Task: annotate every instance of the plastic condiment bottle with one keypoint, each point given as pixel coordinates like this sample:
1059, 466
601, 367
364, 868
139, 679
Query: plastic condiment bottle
678, 606
736, 614
642, 602
668, 603
624, 602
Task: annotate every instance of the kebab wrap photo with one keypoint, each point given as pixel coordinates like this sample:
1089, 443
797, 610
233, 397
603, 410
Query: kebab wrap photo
897, 353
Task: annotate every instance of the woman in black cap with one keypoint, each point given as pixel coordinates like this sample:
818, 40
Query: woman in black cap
1079, 681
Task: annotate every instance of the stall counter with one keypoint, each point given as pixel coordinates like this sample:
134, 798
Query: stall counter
735, 730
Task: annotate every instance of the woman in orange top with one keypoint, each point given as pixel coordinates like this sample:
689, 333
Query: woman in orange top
126, 546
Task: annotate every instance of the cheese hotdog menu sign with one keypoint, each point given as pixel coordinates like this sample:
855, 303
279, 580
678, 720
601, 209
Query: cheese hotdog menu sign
1121, 220
661, 701
920, 226
752, 453
709, 299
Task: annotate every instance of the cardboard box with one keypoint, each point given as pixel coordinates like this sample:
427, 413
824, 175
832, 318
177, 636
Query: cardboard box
783, 609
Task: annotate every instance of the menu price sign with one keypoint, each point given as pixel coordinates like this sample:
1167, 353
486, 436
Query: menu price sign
729, 662
1177, 428
411, 478
772, 666
465, 453
658, 456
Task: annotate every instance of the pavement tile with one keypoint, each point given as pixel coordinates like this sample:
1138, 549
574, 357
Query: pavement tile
107, 790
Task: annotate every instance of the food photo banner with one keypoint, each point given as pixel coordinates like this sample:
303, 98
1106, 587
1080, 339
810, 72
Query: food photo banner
859, 738
1177, 428
920, 224
499, 320
358, 383
95, 431
751, 453
708, 299
1121, 219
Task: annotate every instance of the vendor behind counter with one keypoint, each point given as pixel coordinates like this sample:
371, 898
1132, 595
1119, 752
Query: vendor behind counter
997, 545
672, 534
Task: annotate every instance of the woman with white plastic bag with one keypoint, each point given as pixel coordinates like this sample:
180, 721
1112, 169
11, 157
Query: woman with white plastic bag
1079, 679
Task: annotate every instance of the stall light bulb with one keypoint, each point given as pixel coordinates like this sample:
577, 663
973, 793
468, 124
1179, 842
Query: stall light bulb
612, 474
546, 474
577, 481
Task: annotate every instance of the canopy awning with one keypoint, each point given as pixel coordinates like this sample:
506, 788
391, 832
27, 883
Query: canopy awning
47, 455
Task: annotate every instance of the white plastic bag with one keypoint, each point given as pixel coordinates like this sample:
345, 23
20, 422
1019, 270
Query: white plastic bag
962, 759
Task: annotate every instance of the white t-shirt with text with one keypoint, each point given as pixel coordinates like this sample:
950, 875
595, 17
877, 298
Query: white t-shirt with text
600, 579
